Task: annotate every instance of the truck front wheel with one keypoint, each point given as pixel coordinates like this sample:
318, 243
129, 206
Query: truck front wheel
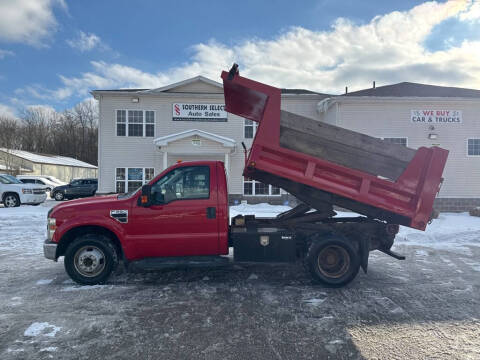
90, 259
332, 261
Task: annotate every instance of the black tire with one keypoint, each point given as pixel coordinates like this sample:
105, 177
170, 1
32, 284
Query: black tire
332, 261
58, 196
93, 252
11, 200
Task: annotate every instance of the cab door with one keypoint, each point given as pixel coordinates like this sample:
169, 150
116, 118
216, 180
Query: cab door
182, 219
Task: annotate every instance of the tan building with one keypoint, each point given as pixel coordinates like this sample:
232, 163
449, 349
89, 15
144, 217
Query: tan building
142, 131
19, 162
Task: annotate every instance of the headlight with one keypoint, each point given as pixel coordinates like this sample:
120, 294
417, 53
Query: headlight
51, 227
27, 191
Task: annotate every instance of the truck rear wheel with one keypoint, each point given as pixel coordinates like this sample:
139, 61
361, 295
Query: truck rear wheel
90, 259
332, 261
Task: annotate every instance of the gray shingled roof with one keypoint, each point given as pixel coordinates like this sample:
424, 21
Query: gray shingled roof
121, 90
302, 91
408, 89
284, 91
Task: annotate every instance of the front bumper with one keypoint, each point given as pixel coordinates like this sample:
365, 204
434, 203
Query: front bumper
50, 250
29, 199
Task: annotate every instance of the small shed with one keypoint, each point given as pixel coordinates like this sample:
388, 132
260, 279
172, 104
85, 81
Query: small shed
19, 162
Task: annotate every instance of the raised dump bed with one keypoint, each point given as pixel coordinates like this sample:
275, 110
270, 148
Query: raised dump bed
321, 163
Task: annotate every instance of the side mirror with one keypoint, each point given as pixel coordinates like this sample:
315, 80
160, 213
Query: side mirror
145, 197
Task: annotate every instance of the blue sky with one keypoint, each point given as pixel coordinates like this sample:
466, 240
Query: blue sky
52, 52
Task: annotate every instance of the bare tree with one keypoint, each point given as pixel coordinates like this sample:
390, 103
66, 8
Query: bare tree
72, 133
9, 139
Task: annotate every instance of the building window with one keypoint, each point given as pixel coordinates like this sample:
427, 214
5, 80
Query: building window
250, 128
137, 123
130, 179
396, 140
473, 147
120, 180
121, 122
149, 123
257, 188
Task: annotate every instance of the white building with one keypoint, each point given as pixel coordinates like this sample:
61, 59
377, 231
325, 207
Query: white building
20, 162
143, 131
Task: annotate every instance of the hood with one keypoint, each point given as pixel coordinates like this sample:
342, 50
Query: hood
61, 187
25, 186
95, 207
85, 205
87, 202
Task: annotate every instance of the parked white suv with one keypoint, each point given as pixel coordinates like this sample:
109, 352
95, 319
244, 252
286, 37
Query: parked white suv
54, 179
14, 193
39, 180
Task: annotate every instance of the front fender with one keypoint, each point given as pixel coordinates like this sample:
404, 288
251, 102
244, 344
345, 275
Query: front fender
100, 221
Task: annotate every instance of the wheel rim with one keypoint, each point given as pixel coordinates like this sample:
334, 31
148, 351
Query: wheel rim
10, 201
59, 196
333, 261
89, 261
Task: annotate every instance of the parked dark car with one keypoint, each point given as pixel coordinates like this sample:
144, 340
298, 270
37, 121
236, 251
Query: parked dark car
76, 189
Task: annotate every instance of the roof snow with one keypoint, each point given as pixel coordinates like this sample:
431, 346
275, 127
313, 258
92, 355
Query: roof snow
48, 159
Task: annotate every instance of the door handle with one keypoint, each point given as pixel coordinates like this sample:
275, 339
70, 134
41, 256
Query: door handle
211, 212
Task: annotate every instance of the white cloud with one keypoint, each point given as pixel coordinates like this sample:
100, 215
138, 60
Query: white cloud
42, 109
472, 13
389, 49
7, 111
85, 42
4, 53
28, 21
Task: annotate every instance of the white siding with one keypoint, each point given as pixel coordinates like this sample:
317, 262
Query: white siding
391, 118
378, 117
115, 151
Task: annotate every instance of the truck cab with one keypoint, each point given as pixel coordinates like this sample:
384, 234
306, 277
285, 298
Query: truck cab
182, 212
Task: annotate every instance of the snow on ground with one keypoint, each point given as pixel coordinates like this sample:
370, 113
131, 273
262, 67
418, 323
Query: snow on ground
43, 328
27, 225
259, 210
451, 231
243, 311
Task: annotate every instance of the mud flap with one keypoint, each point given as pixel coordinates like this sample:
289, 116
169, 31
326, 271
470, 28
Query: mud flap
364, 250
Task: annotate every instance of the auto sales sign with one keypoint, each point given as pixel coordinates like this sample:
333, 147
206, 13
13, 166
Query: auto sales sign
430, 116
199, 112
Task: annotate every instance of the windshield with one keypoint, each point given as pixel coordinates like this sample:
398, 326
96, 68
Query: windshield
53, 179
9, 179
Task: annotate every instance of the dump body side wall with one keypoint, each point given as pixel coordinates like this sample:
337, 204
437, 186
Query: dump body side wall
410, 196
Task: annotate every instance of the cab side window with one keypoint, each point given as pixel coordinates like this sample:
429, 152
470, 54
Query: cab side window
185, 183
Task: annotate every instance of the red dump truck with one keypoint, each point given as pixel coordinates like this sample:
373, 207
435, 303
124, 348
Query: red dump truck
181, 218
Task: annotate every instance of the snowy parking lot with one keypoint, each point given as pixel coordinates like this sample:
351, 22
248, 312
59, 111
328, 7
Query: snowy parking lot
427, 306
